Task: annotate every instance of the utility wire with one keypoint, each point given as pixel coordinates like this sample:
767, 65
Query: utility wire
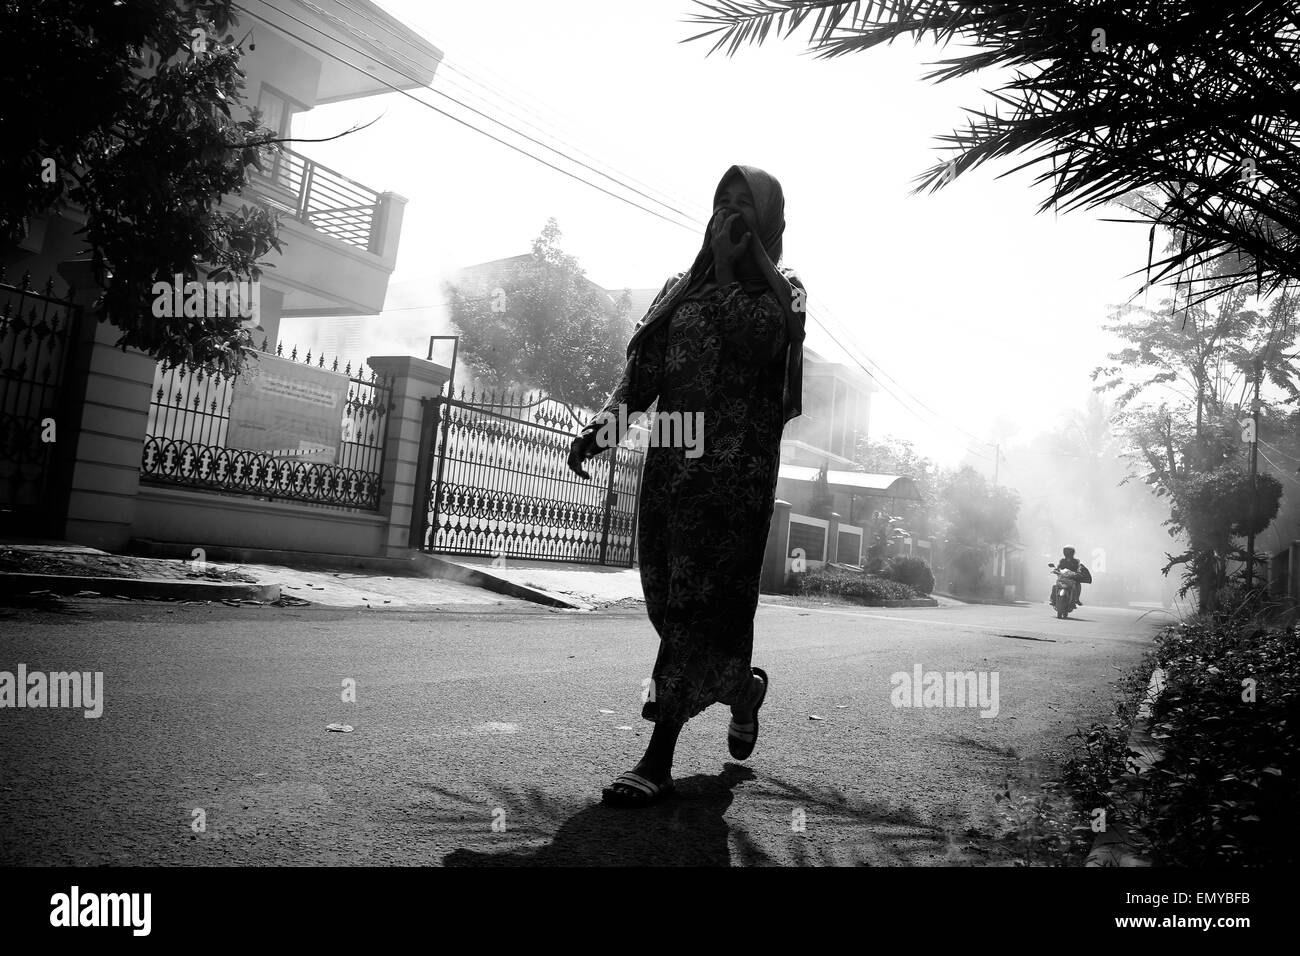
1276, 449
516, 98
452, 116
1283, 472
478, 112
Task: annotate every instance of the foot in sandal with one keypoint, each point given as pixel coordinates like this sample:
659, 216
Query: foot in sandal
638, 788
742, 732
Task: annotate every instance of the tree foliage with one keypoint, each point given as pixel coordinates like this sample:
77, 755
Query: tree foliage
1191, 441
1183, 111
976, 515
543, 325
131, 114
897, 456
957, 505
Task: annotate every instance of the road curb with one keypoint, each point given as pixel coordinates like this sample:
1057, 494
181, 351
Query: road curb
977, 600
1113, 846
152, 588
148, 548
435, 567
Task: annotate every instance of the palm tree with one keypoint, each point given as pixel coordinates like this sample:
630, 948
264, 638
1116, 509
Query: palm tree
1181, 111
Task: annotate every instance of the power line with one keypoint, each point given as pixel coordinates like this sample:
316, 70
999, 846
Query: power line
1288, 475
937, 417
451, 116
515, 98
901, 388
1276, 449
478, 112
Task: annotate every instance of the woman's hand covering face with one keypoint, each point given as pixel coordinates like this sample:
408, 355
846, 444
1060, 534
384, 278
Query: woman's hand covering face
725, 249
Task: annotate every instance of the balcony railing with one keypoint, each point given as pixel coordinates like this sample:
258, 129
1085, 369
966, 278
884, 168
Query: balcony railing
318, 196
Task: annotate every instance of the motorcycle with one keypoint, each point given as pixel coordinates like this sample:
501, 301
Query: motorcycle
1065, 592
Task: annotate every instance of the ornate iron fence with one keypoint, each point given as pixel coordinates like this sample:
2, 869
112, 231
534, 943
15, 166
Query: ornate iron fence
34, 333
499, 484
186, 443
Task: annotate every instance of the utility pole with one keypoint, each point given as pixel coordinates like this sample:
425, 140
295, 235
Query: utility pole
1254, 472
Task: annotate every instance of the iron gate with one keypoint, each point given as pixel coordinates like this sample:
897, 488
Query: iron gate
496, 470
34, 332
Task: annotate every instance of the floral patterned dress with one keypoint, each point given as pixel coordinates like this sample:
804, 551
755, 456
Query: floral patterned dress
704, 520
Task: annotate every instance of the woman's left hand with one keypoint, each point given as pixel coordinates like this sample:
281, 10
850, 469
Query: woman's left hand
583, 447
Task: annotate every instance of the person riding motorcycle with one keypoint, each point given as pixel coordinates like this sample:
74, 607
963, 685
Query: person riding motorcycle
1069, 562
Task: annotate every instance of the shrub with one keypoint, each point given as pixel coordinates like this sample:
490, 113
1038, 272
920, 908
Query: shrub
1226, 787
914, 572
853, 585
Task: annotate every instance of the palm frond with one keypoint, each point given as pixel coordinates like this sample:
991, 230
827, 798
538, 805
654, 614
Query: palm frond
1159, 107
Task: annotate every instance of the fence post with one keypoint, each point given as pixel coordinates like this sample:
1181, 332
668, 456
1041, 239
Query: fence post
113, 384
424, 469
414, 381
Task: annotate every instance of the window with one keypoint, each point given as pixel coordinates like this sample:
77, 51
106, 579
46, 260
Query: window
277, 114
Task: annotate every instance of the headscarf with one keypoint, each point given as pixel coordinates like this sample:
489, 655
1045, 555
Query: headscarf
769, 216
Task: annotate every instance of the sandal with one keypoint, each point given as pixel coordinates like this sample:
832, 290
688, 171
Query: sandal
636, 791
741, 738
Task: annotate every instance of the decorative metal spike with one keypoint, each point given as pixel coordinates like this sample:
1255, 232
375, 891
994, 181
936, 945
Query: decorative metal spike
335, 366
279, 348
293, 355
308, 359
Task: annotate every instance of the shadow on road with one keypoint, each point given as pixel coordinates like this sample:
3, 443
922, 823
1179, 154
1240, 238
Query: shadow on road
690, 829
685, 830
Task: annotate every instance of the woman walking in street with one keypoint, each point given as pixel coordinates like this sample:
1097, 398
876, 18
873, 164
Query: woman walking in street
724, 339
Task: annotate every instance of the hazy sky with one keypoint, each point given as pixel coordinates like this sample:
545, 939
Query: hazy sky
984, 309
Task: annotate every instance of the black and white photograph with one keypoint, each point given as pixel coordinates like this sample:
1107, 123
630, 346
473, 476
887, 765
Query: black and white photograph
649, 434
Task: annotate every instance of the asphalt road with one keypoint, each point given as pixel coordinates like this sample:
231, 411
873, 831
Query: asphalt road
483, 736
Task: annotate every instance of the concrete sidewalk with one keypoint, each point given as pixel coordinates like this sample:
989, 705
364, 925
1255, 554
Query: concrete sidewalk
48, 567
